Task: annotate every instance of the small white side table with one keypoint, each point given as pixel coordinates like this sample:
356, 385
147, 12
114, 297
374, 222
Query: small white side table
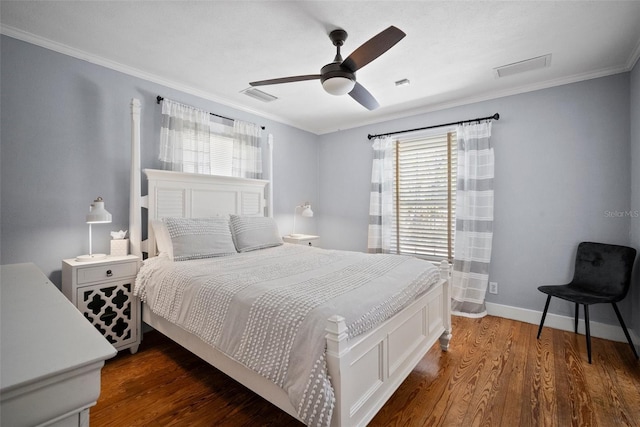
302, 239
103, 292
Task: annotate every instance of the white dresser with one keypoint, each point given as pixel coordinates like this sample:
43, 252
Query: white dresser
50, 355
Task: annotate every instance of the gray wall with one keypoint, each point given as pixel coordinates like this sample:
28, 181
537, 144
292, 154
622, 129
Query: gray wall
65, 139
563, 171
564, 160
635, 190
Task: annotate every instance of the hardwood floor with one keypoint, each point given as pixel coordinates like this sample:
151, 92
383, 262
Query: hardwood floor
495, 374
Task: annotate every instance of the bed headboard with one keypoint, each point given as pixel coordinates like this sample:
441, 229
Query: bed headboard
191, 195
185, 195
188, 195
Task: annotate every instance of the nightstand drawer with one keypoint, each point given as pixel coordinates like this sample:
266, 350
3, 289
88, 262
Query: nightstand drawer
302, 239
106, 272
309, 242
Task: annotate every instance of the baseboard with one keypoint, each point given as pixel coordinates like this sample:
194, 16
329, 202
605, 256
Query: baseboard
564, 323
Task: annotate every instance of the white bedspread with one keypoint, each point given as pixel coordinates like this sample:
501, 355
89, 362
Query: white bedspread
268, 308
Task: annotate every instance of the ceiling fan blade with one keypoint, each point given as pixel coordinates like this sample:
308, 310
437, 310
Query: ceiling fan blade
362, 96
372, 48
286, 80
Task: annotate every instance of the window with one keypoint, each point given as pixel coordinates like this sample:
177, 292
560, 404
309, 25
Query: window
424, 194
191, 142
208, 153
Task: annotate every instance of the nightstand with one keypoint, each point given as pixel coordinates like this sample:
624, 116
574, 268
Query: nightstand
103, 292
302, 239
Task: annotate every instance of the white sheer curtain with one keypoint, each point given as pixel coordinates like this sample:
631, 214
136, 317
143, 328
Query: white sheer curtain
381, 199
191, 142
185, 138
474, 219
247, 151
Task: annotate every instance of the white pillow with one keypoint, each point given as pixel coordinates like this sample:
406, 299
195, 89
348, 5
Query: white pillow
254, 232
194, 238
163, 240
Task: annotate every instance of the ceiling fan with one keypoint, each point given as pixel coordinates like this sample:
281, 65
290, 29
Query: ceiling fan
339, 77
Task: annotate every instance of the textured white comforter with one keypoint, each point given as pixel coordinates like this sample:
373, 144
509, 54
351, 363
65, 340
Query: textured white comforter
268, 308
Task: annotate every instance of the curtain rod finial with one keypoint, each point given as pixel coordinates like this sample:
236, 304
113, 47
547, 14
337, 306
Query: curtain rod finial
496, 116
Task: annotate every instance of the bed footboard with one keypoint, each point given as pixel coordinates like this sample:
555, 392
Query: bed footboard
365, 371
368, 369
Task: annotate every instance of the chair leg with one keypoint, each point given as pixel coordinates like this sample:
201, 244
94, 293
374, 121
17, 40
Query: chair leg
624, 328
586, 327
575, 324
544, 314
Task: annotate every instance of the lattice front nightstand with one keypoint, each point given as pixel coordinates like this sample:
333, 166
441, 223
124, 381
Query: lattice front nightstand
103, 292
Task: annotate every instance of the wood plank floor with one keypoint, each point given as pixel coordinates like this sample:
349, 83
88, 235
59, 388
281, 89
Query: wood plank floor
495, 374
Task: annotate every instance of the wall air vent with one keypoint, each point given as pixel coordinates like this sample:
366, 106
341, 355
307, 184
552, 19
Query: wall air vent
258, 94
523, 66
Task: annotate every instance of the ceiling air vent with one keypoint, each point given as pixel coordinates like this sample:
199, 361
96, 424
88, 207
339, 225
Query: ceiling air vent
523, 66
258, 94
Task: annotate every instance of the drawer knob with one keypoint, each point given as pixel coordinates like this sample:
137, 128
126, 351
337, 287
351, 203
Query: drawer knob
109, 273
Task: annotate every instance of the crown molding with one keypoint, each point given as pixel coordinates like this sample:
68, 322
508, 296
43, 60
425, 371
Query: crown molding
633, 58
488, 96
135, 72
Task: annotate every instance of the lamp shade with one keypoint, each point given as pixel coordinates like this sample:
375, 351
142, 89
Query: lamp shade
97, 213
338, 85
306, 211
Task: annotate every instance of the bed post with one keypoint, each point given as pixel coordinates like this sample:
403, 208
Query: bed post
135, 213
446, 297
270, 150
337, 347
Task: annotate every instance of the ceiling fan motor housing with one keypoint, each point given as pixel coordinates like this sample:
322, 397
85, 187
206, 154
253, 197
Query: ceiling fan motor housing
336, 79
334, 69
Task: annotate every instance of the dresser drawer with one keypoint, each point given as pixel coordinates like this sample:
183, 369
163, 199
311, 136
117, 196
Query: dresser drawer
106, 272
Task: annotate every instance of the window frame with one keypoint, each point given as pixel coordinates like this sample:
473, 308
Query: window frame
441, 142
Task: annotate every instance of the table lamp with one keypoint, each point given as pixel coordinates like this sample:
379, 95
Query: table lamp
306, 212
97, 215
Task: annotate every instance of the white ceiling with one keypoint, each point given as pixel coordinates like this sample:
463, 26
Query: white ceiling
213, 49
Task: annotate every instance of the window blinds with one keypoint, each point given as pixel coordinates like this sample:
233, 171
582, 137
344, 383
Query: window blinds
424, 196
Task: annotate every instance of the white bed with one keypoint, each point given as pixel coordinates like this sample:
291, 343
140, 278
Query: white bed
365, 370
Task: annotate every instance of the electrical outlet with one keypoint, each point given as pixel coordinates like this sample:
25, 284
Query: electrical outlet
493, 287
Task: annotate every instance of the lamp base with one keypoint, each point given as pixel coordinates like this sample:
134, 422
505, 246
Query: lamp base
92, 257
296, 235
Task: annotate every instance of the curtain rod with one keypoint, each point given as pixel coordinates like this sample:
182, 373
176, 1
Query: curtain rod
160, 98
496, 116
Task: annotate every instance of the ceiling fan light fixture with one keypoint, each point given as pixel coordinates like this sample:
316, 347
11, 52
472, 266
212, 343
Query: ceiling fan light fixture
338, 85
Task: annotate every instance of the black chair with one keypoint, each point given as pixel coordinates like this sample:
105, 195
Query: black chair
602, 275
